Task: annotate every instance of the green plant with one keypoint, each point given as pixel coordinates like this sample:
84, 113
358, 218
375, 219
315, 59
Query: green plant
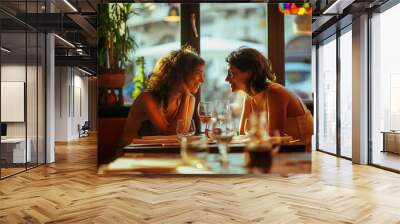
115, 40
139, 79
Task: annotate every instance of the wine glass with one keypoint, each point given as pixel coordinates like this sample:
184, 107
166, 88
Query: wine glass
223, 131
222, 110
194, 154
205, 112
182, 131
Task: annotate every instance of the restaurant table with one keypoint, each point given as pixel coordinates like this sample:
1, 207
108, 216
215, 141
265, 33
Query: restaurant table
166, 159
213, 148
391, 141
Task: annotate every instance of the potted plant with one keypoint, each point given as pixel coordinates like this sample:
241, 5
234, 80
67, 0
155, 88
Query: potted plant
115, 44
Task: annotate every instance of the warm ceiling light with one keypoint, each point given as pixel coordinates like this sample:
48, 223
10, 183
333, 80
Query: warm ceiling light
65, 41
70, 5
5, 50
173, 15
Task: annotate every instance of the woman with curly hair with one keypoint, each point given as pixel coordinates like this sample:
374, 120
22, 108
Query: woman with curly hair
168, 97
251, 72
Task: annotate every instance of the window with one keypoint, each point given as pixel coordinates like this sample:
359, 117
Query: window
385, 88
225, 28
156, 29
346, 94
327, 96
22, 76
298, 55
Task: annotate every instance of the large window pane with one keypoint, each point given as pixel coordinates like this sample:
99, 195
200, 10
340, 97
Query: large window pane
22, 88
31, 98
225, 28
298, 55
13, 84
385, 85
156, 29
327, 97
346, 94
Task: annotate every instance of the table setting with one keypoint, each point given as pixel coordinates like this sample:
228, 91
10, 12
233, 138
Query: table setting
217, 149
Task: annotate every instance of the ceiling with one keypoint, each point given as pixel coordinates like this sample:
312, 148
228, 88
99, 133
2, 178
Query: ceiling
72, 20
329, 16
75, 21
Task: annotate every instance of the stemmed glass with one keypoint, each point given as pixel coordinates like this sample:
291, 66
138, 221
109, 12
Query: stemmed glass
205, 111
223, 131
223, 110
182, 131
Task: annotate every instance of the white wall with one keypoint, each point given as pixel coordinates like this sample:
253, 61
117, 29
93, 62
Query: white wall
71, 102
61, 103
12, 73
33, 127
81, 94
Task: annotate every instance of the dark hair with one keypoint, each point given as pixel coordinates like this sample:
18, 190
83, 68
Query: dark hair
251, 60
171, 69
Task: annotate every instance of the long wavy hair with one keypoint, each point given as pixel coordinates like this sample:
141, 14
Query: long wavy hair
170, 70
251, 60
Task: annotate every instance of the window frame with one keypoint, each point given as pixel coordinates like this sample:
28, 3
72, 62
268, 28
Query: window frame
333, 37
381, 9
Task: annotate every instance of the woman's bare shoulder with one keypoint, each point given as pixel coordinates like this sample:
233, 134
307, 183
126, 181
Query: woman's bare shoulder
145, 96
276, 89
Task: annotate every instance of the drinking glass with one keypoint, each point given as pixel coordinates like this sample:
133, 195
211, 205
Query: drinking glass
182, 131
205, 111
222, 109
194, 154
223, 131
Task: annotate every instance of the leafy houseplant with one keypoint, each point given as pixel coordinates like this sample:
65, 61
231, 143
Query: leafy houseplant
115, 44
139, 79
115, 40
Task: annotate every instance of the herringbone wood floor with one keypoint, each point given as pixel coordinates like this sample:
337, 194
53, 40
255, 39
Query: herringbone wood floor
69, 191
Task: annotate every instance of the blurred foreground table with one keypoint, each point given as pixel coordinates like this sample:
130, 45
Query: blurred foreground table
166, 159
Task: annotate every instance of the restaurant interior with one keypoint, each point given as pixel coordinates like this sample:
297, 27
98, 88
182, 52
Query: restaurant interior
72, 72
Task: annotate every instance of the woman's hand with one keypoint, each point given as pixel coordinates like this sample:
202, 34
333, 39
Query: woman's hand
185, 89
